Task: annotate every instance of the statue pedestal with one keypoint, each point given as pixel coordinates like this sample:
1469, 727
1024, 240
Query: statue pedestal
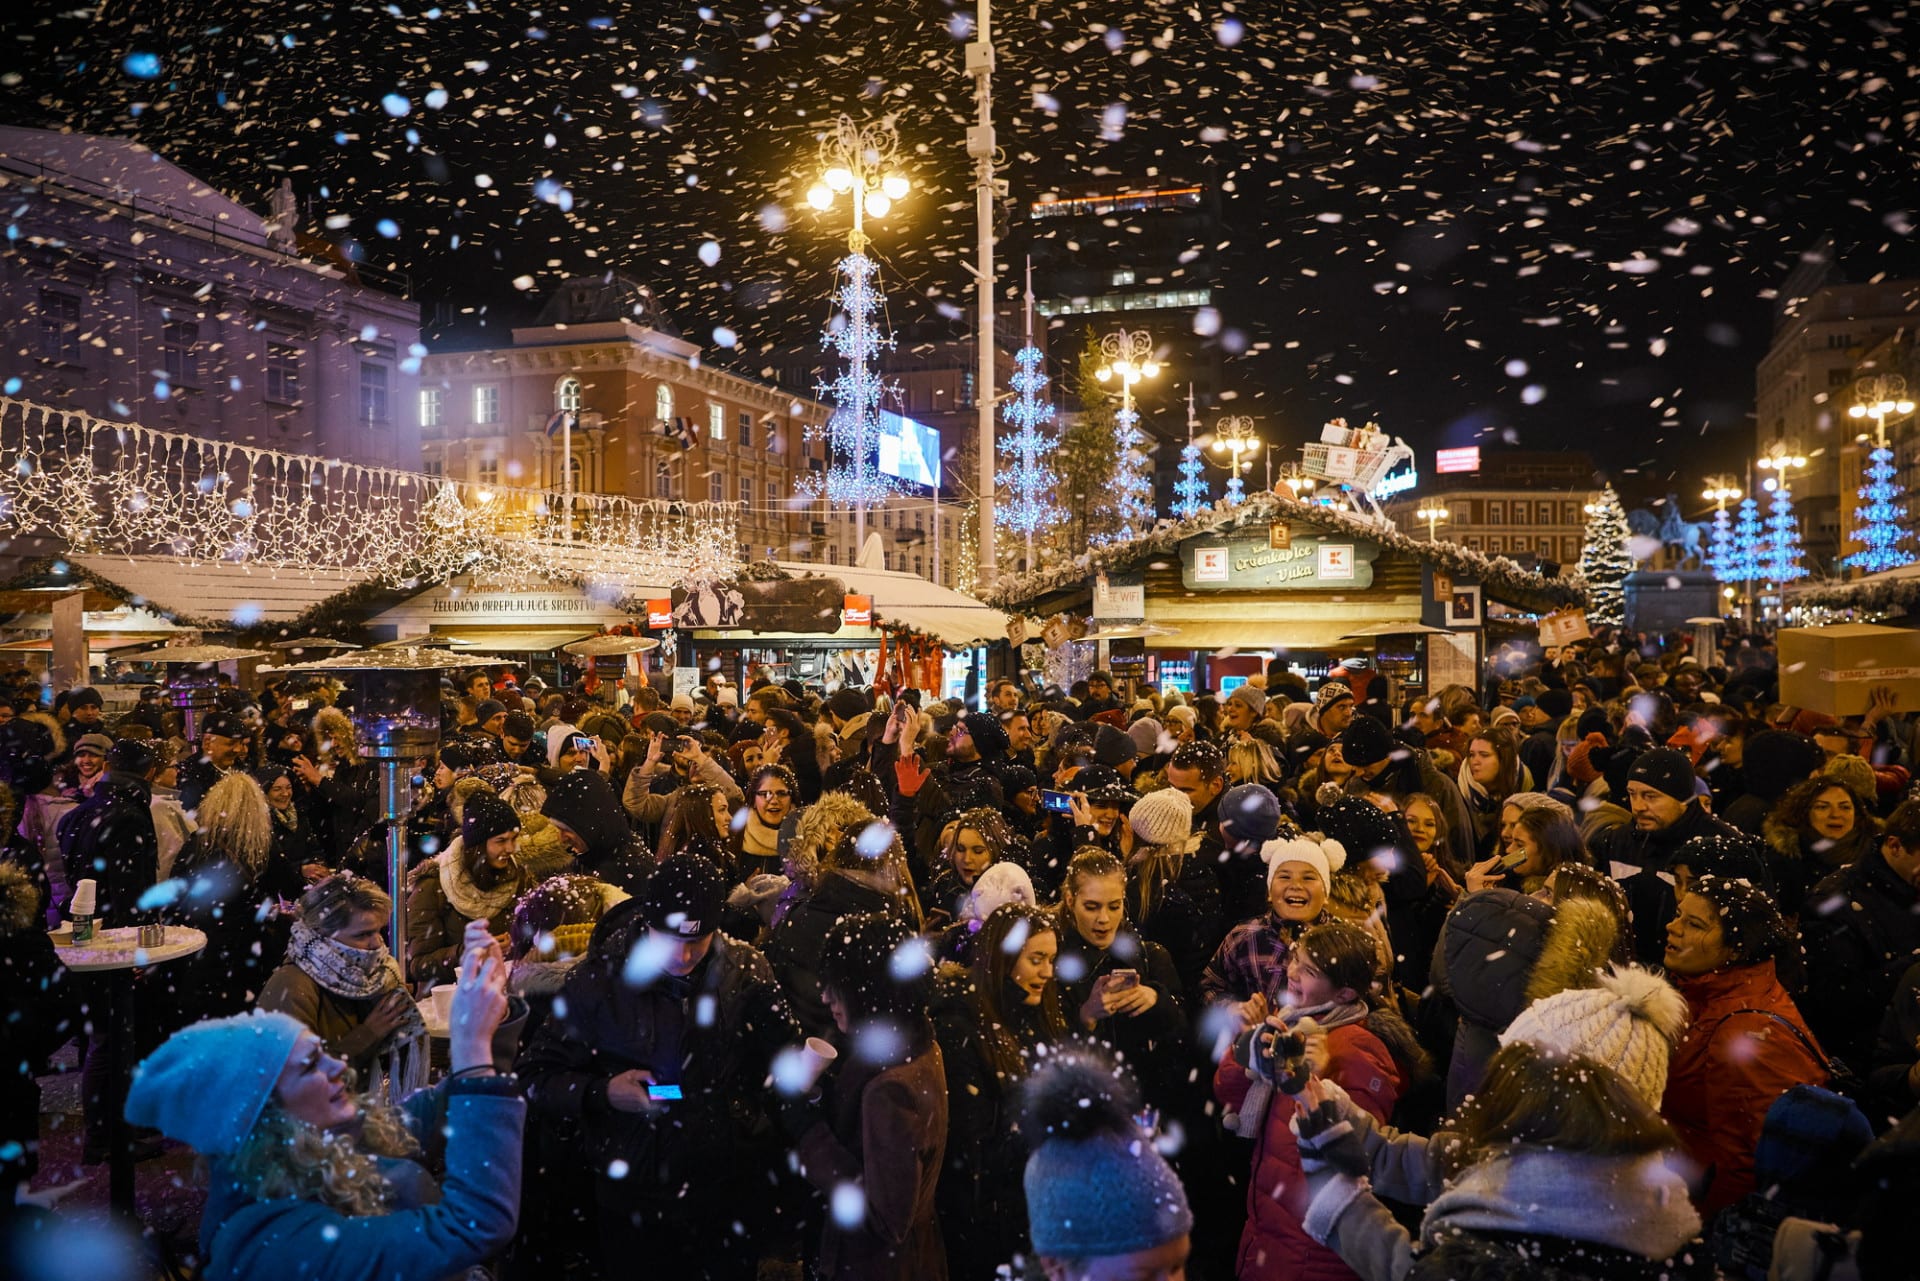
1662, 600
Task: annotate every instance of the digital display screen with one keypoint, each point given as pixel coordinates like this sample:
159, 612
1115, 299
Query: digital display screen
909, 450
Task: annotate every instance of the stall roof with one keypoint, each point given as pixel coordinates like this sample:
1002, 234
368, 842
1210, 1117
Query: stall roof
520, 640
219, 592
908, 600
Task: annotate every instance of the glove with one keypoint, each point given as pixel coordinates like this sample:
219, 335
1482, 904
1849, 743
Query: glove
909, 777
1329, 1142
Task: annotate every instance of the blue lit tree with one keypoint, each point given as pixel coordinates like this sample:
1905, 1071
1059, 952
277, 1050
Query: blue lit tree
1029, 480
1129, 357
1193, 493
1880, 532
1720, 546
1781, 556
1743, 558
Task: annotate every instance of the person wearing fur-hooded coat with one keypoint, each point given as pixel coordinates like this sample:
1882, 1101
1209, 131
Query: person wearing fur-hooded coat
476, 878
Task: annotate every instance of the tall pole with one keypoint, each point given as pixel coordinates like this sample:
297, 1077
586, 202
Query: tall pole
566, 478
980, 147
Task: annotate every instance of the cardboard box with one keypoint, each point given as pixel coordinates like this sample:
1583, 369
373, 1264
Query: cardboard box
1833, 669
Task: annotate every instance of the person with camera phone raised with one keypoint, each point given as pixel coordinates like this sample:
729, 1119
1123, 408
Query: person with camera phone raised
1326, 1028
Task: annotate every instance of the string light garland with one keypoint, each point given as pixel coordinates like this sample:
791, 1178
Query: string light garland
1880, 532
115, 488
853, 477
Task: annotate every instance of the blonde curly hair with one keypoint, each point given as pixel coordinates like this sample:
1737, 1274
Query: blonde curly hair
285, 1157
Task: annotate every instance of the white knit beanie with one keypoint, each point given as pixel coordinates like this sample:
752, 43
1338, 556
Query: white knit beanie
1162, 817
999, 885
1630, 1023
1324, 856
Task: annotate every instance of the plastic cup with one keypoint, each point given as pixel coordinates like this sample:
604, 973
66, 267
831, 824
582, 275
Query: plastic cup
818, 1055
443, 1003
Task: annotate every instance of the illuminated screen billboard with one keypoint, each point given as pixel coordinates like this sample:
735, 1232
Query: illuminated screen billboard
909, 450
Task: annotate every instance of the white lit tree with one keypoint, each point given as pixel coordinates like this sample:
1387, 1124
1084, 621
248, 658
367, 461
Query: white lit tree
1605, 560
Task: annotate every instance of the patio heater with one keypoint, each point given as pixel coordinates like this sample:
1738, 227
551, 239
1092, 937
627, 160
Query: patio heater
193, 684
395, 710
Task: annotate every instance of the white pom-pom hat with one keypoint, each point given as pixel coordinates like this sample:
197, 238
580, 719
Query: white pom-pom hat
1324, 856
1630, 1023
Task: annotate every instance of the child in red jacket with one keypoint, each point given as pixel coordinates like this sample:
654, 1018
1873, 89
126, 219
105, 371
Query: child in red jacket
1331, 977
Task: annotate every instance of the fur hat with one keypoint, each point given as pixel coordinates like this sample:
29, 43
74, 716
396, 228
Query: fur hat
1324, 856
1164, 817
1630, 1022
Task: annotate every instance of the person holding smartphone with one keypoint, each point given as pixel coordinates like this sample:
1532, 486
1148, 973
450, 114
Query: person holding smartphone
657, 1052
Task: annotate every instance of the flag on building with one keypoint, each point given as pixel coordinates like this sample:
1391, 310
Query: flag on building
561, 419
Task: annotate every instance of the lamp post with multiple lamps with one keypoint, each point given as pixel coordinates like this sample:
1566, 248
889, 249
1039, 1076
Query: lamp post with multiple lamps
1780, 552
1235, 437
858, 162
1128, 356
1295, 478
1433, 512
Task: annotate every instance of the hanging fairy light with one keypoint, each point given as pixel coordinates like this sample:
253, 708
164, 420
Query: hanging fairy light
123, 489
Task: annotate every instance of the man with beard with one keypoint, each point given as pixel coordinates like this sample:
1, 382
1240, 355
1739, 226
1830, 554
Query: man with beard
967, 779
223, 748
1667, 813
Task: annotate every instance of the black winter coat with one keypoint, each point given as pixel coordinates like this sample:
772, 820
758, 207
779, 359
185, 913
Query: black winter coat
1153, 1044
1896, 1049
1650, 902
687, 1148
246, 939
109, 837
1861, 931
795, 946
1188, 922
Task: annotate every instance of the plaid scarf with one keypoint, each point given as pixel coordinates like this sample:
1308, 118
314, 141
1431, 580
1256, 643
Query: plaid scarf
361, 974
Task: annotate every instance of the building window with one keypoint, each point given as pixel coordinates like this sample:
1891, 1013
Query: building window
433, 402
487, 471
1838, 377
1496, 513
833, 554
663, 481
486, 403
773, 437
773, 493
663, 404
178, 338
966, 387
716, 487
746, 428
746, 491
716, 422
60, 328
283, 373
436, 467
566, 396
1522, 513
1124, 276
373, 394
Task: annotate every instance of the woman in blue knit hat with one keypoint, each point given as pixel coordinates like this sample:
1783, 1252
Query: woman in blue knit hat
1102, 1203
310, 1179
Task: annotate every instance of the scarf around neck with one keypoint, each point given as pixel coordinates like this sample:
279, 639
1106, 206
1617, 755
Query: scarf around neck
468, 899
363, 974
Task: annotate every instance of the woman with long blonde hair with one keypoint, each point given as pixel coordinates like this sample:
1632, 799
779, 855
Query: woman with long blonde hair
307, 1176
227, 884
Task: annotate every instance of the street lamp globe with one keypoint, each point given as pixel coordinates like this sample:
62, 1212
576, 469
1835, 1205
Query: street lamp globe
820, 196
839, 178
877, 204
894, 186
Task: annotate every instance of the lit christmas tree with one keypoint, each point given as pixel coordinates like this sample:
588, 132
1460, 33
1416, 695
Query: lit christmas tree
1720, 546
1880, 533
1029, 481
1743, 560
1192, 491
1604, 560
1133, 478
1780, 558
853, 478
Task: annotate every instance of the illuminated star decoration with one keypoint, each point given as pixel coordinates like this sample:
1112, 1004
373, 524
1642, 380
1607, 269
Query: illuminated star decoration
1028, 480
1880, 533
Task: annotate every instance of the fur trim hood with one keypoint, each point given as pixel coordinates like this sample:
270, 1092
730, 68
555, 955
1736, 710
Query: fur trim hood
819, 825
45, 721
19, 902
1579, 942
543, 851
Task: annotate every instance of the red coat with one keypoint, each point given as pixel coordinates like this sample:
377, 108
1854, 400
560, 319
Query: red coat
1728, 1070
1274, 1245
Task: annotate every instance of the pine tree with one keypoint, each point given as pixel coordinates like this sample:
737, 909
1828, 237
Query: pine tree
1604, 560
1880, 533
1085, 461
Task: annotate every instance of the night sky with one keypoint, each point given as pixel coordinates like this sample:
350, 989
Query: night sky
1554, 224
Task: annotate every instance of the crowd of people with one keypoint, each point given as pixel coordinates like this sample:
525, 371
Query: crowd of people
1606, 968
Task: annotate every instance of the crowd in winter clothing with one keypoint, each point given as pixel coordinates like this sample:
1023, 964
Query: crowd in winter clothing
1607, 968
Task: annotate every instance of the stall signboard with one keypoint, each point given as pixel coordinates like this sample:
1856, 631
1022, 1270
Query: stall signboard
1564, 627
800, 605
1305, 563
856, 611
659, 614
1119, 599
1016, 629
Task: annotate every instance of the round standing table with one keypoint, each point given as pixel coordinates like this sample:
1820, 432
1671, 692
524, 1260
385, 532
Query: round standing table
116, 954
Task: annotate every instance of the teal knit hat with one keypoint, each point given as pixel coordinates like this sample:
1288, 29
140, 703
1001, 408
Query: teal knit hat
207, 1085
1096, 1188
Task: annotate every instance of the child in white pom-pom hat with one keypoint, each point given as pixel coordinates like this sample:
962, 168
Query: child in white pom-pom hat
1249, 972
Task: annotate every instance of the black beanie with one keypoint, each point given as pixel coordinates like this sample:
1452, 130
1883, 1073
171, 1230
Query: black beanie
485, 817
1594, 721
1555, 702
684, 897
1365, 741
989, 738
1666, 770
583, 801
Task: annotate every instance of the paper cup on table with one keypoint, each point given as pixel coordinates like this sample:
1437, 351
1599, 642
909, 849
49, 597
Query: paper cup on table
443, 1003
